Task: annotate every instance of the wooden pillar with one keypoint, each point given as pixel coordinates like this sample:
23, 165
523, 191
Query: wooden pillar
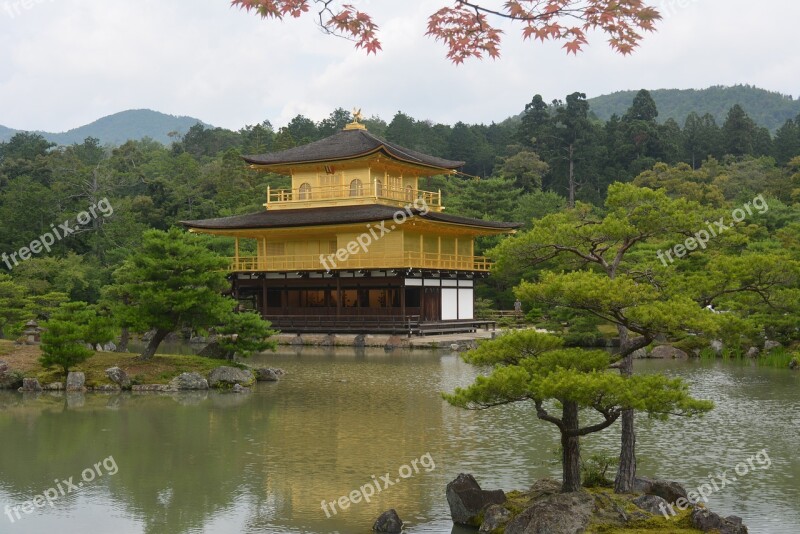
403, 299
264, 296
338, 296
422, 301
236, 252
457, 256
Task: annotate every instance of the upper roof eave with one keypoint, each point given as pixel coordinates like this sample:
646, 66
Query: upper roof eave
348, 145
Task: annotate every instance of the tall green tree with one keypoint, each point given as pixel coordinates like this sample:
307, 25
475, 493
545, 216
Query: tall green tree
581, 237
738, 132
72, 327
171, 282
531, 367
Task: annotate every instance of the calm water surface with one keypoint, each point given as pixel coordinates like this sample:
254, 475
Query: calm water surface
263, 462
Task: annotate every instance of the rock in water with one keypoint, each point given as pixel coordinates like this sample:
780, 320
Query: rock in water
267, 374
668, 352
225, 377
119, 377
708, 521
30, 384
388, 521
189, 381
467, 500
76, 381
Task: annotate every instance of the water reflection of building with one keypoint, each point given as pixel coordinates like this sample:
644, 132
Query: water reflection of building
355, 245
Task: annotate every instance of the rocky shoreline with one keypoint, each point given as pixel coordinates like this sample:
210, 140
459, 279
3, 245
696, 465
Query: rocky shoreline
225, 378
658, 506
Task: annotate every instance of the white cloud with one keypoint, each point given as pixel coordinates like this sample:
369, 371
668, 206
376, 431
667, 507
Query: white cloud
68, 62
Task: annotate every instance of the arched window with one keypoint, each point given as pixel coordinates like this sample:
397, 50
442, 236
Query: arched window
378, 188
356, 188
305, 191
409, 193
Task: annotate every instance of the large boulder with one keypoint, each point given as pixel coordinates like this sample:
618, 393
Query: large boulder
769, 345
495, 517
189, 381
268, 374
76, 381
467, 500
564, 513
9, 379
388, 521
667, 490
119, 377
214, 350
717, 346
227, 377
707, 521
651, 503
30, 385
668, 352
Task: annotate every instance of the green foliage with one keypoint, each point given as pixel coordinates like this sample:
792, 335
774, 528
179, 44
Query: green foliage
769, 109
171, 282
245, 333
66, 335
594, 470
530, 366
12, 306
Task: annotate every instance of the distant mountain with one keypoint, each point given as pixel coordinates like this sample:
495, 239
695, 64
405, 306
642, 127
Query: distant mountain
120, 127
766, 108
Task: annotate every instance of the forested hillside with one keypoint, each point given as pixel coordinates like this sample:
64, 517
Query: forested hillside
767, 108
120, 127
554, 157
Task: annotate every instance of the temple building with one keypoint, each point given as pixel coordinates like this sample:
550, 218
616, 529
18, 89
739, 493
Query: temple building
355, 246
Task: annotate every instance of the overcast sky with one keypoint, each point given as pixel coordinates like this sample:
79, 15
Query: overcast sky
65, 63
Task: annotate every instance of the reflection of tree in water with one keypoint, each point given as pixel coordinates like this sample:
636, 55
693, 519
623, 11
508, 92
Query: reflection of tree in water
186, 462
178, 465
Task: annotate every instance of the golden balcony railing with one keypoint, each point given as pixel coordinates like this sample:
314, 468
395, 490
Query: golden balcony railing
304, 196
399, 260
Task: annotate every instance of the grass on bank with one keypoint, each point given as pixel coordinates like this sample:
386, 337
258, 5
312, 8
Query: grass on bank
6, 347
159, 370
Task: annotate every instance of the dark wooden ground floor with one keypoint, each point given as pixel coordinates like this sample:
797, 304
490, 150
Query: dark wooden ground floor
362, 302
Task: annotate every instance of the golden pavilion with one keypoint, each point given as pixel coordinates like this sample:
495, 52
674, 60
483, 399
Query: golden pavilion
355, 246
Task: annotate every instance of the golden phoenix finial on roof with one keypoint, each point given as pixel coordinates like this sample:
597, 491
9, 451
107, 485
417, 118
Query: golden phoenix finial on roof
357, 116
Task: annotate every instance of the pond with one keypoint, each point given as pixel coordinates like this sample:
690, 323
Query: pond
343, 419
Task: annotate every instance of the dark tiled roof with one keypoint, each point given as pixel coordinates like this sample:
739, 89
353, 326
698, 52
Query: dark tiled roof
331, 215
349, 144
